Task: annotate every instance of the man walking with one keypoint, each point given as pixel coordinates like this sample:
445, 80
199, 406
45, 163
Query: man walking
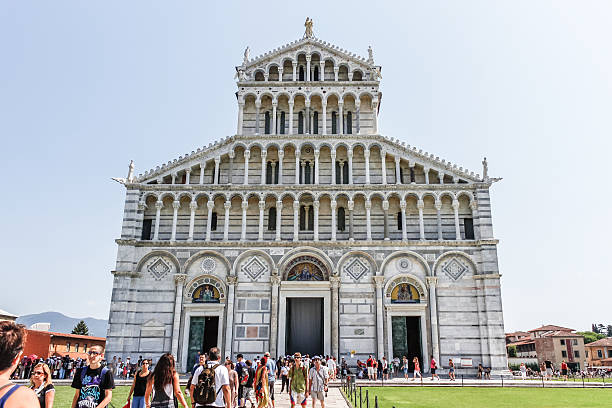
243, 376
370, 365
298, 381
93, 383
271, 366
318, 378
222, 389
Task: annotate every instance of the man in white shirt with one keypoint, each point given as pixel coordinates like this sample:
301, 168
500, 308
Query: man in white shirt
331, 365
317, 379
222, 388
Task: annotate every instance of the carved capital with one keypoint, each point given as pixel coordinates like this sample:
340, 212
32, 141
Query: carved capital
232, 280
193, 206
474, 205
366, 153
262, 205
368, 205
455, 204
385, 205
438, 205
217, 160
142, 205
420, 204
334, 204
379, 281
281, 154
296, 206
316, 205
264, 154
317, 152
247, 153
179, 278
431, 281
351, 205
231, 154
210, 205
245, 205
187, 171
275, 280
334, 281
227, 205
159, 205
403, 205
279, 205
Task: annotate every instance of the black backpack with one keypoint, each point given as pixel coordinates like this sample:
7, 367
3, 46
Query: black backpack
205, 392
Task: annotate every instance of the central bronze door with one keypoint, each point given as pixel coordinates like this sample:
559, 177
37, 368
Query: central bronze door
304, 326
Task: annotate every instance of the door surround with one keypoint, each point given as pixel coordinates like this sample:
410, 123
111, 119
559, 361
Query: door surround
199, 310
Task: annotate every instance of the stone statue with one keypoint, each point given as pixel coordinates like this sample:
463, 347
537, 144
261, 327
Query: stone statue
247, 55
130, 175
376, 75
370, 55
308, 24
240, 74
485, 169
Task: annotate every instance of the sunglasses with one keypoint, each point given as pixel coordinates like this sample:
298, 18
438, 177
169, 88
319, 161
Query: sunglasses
38, 373
93, 353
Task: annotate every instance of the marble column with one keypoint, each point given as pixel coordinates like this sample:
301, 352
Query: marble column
366, 154
334, 227
432, 281
227, 205
158, 207
385, 206
297, 166
357, 116
336, 69
322, 71
457, 227
279, 219
247, 155
340, 118
350, 164
368, 207
210, 205
317, 152
398, 174
202, 167
383, 155
257, 106
438, 206
375, 116
379, 282
333, 166
273, 179
342, 163
426, 171
274, 106
441, 177
296, 220
275, 281
216, 176
281, 156
303, 173
245, 206
264, 154
188, 176
316, 220
351, 207
475, 219
229, 323
324, 111
308, 58
294, 77
404, 232
335, 340
175, 206
307, 117
174, 175
231, 167
192, 208
421, 206
290, 117
240, 117
179, 282
262, 207
280, 74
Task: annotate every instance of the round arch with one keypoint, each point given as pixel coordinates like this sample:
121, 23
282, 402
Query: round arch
405, 252
192, 259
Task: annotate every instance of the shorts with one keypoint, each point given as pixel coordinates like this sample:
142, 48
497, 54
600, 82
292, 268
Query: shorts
318, 395
452, 370
385, 371
298, 398
549, 372
271, 387
247, 392
564, 372
371, 371
433, 371
405, 370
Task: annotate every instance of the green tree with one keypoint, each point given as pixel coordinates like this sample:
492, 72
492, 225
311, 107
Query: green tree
590, 336
81, 328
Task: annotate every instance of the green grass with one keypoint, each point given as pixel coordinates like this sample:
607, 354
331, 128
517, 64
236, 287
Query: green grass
471, 397
64, 395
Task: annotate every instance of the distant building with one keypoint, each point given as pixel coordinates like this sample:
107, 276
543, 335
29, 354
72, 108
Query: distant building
46, 344
41, 326
599, 353
548, 343
4, 315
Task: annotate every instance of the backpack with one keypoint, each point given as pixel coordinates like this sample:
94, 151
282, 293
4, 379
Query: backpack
204, 392
244, 375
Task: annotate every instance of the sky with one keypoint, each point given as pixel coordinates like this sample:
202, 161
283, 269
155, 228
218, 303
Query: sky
85, 87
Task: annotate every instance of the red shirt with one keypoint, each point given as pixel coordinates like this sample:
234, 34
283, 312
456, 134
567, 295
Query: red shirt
370, 362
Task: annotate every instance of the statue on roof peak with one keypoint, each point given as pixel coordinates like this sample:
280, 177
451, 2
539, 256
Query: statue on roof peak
370, 55
308, 24
247, 55
130, 176
485, 169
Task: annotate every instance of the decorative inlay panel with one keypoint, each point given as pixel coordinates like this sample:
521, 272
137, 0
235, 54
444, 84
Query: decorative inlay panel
454, 268
159, 267
254, 267
405, 265
208, 264
356, 268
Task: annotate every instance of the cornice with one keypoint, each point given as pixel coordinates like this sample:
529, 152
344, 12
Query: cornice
303, 86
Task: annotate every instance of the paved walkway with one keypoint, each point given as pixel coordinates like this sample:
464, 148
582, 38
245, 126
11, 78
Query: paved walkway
334, 398
472, 382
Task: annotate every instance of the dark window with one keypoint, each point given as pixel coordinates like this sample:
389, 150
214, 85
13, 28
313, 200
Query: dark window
213, 222
399, 221
349, 123
301, 73
272, 219
269, 172
338, 173
316, 73
315, 123
577, 354
563, 342
300, 123
599, 354
341, 219
563, 353
146, 229
310, 218
276, 173
334, 116
307, 173
345, 174
267, 123
401, 179
412, 180
468, 226
282, 123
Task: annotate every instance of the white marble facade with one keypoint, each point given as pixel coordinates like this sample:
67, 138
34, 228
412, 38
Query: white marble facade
308, 178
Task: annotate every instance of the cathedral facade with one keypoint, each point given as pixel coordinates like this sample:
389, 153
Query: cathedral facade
308, 231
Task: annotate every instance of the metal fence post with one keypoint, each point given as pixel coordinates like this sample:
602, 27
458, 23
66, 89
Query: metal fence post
367, 400
462, 380
376, 401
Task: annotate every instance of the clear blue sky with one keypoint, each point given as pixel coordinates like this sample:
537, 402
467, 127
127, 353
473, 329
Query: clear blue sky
85, 86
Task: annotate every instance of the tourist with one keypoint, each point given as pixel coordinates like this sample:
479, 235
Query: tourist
248, 386
451, 369
233, 379
385, 368
284, 374
564, 370
139, 385
433, 366
542, 370
42, 385
549, 369
271, 366
12, 340
480, 371
298, 381
523, 369
405, 367
222, 384
317, 379
163, 385
343, 368
417, 368
93, 383
370, 365
262, 389
243, 376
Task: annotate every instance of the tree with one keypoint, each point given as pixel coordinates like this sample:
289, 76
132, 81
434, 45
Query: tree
81, 328
511, 351
590, 336
609, 330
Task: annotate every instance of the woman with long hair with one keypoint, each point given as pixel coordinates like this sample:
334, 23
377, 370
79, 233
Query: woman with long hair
233, 379
163, 386
262, 391
139, 385
42, 385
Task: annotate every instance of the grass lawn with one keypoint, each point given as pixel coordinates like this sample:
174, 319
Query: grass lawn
457, 397
64, 395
